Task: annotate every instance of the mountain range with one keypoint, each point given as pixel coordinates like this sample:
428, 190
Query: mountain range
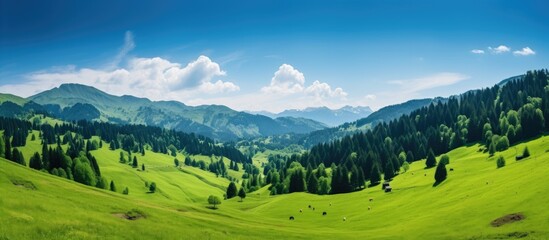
76, 101
331, 117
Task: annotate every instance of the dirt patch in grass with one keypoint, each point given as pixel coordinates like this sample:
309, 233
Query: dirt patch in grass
131, 215
511, 235
23, 183
509, 218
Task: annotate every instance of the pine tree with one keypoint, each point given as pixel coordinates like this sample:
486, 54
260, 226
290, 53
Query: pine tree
389, 171
126, 191
112, 186
312, 184
231, 190
526, 152
431, 160
241, 194
440, 173
375, 175
355, 179
35, 162
7, 151
122, 158
2, 147
17, 157
45, 157
134, 163
143, 167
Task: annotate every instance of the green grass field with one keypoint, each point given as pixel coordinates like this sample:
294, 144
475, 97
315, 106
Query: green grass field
462, 207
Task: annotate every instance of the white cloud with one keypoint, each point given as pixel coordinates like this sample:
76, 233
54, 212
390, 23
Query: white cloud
370, 97
154, 78
287, 90
499, 49
477, 51
323, 90
429, 82
286, 80
524, 52
129, 45
219, 87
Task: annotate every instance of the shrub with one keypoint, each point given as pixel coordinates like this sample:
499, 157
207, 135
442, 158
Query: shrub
500, 162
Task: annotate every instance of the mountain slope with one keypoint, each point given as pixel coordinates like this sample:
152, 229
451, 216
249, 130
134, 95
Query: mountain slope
210, 120
331, 117
5, 97
384, 114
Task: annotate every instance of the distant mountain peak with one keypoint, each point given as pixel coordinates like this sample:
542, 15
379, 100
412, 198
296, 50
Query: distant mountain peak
323, 114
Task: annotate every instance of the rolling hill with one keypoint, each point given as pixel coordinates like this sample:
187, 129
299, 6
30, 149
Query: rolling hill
42, 206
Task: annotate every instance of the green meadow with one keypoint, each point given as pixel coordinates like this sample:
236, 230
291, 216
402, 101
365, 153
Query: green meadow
37, 205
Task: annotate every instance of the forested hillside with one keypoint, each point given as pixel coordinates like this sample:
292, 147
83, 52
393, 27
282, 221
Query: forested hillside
66, 147
497, 117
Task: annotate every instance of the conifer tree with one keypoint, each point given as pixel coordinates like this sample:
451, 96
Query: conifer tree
526, 152
312, 184
134, 163
431, 160
35, 162
231, 190
375, 175
8, 150
112, 186
2, 147
241, 194
440, 173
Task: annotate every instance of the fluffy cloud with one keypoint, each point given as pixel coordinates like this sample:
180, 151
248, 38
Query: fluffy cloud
323, 90
524, 52
153, 78
219, 87
477, 51
286, 80
499, 49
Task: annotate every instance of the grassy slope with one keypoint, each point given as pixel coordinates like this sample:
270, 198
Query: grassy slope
462, 207
4, 97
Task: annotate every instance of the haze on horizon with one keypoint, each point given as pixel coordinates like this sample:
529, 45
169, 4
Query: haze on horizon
271, 56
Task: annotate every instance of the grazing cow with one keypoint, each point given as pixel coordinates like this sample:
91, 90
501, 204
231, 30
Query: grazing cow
451, 169
369, 208
291, 217
300, 210
371, 199
344, 219
324, 213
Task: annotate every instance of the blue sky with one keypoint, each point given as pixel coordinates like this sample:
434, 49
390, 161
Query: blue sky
271, 55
